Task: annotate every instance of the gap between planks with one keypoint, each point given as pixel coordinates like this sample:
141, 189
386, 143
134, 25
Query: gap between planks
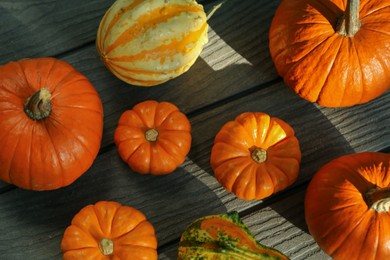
88, 44
191, 114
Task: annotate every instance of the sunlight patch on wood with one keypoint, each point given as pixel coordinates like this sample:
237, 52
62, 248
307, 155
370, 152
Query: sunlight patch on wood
219, 55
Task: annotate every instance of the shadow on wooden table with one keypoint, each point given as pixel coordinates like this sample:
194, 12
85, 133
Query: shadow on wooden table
320, 140
170, 202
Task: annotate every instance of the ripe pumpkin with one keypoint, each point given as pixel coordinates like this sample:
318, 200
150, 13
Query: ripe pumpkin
109, 230
255, 155
347, 207
222, 236
51, 123
153, 137
333, 52
146, 43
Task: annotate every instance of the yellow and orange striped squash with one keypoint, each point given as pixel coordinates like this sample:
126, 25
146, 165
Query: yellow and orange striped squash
148, 42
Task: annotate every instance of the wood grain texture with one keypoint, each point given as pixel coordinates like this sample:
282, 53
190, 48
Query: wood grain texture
280, 225
323, 133
47, 28
38, 28
220, 73
234, 74
171, 209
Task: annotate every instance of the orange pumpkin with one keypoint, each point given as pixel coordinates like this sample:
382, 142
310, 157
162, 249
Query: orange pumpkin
146, 43
347, 207
153, 137
333, 52
255, 155
108, 230
51, 123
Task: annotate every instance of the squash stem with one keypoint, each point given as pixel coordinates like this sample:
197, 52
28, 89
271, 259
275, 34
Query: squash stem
151, 135
106, 246
378, 199
38, 105
349, 24
259, 155
214, 9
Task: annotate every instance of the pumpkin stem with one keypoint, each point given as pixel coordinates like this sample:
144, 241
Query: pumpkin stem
38, 105
378, 199
349, 24
259, 155
151, 135
106, 246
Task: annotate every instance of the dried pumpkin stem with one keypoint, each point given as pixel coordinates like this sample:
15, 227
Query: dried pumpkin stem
151, 135
106, 246
259, 155
349, 24
378, 199
38, 105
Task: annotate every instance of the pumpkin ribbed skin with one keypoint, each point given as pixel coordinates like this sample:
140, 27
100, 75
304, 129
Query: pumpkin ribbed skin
48, 153
255, 155
146, 43
323, 66
338, 211
109, 230
153, 137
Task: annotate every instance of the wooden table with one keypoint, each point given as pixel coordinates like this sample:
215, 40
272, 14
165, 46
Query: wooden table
234, 74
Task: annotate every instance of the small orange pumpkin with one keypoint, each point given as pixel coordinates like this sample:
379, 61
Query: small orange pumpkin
153, 137
255, 155
51, 123
333, 52
146, 43
347, 207
109, 230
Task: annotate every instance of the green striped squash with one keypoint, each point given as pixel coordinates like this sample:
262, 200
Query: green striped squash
223, 237
148, 42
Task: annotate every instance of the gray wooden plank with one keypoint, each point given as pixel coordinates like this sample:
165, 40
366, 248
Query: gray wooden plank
233, 61
207, 82
36, 28
32, 223
172, 201
47, 27
281, 226
324, 134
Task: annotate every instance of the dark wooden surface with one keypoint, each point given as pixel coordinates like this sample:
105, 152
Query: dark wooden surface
234, 74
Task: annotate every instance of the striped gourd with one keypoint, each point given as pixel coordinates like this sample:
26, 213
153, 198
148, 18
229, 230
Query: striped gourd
148, 42
223, 237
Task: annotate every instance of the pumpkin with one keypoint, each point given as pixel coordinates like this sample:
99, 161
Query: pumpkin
255, 155
222, 237
146, 43
333, 52
153, 137
109, 230
51, 123
347, 206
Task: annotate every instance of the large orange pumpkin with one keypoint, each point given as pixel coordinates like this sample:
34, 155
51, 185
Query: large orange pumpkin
153, 137
333, 52
51, 123
146, 43
347, 207
255, 155
109, 230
